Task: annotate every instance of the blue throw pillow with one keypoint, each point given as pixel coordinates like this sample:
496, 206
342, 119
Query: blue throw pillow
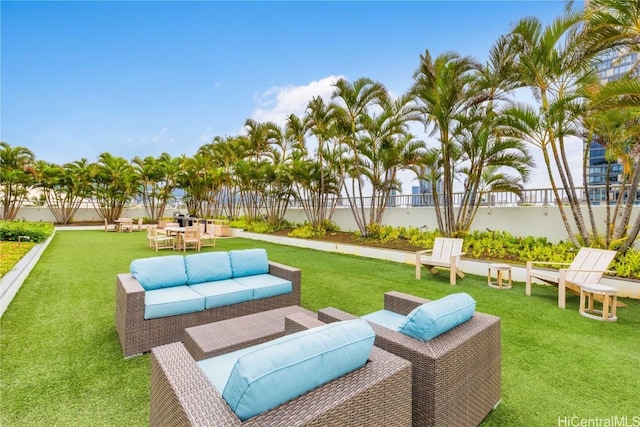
248, 262
287, 367
159, 272
437, 317
207, 267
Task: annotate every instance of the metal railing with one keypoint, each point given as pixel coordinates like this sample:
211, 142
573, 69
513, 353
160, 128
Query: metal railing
530, 197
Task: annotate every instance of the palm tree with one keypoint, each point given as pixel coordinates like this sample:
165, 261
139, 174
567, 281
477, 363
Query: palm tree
227, 153
113, 181
16, 177
444, 88
319, 120
387, 148
552, 62
352, 104
618, 132
613, 24
158, 179
201, 181
64, 187
487, 160
431, 172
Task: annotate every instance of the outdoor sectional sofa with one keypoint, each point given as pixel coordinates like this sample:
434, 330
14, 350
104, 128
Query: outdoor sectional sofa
162, 296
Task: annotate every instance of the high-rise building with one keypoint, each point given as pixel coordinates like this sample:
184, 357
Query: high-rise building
611, 66
421, 194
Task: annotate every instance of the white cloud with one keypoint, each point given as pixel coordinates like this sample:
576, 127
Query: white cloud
278, 102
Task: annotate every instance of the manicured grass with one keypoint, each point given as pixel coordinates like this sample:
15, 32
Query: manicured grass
61, 361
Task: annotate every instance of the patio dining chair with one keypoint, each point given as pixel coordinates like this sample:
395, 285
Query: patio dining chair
206, 238
157, 241
190, 238
125, 224
109, 227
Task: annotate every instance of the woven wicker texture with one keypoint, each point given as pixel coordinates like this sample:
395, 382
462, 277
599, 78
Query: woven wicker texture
456, 376
225, 336
378, 394
138, 335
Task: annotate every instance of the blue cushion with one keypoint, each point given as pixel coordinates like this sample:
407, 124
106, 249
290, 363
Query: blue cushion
218, 368
437, 317
248, 262
265, 285
223, 292
282, 369
159, 272
388, 319
171, 301
207, 267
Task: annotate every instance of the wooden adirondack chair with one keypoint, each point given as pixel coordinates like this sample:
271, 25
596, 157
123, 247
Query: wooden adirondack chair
587, 268
446, 253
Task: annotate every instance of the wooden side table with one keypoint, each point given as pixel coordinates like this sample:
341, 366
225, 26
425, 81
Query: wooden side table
500, 270
609, 296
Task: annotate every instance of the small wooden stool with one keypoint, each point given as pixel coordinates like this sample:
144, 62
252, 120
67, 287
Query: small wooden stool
500, 268
609, 301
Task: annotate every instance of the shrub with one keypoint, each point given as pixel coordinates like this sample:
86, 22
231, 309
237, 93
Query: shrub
36, 231
307, 231
255, 226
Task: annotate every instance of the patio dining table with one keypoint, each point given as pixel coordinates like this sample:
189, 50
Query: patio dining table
122, 223
174, 231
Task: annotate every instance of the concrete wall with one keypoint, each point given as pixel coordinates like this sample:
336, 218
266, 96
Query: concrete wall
538, 221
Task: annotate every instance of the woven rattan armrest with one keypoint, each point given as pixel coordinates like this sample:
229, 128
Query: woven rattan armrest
129, 311
402, 303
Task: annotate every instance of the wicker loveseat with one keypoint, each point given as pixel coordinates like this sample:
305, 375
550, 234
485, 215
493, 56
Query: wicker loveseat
139, 329
377, 394
456, 376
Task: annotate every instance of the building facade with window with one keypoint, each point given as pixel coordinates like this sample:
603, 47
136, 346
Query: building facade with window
612, 65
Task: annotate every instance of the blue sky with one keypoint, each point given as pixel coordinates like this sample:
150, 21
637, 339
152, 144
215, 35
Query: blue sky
141, 78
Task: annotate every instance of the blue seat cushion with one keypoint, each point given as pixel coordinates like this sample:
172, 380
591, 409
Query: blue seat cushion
265, 285
388, 319
248, 262
159, 272
223, 292
207, 267
171, 301
269, 374
434, 318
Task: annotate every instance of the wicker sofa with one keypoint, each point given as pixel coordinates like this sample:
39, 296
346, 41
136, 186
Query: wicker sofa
456, 376
377, 394
139, 334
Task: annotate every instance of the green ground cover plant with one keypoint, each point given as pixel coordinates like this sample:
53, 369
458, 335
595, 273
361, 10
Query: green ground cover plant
62, 363
11, 253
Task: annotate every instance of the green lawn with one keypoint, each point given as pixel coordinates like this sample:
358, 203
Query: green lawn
61, 362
